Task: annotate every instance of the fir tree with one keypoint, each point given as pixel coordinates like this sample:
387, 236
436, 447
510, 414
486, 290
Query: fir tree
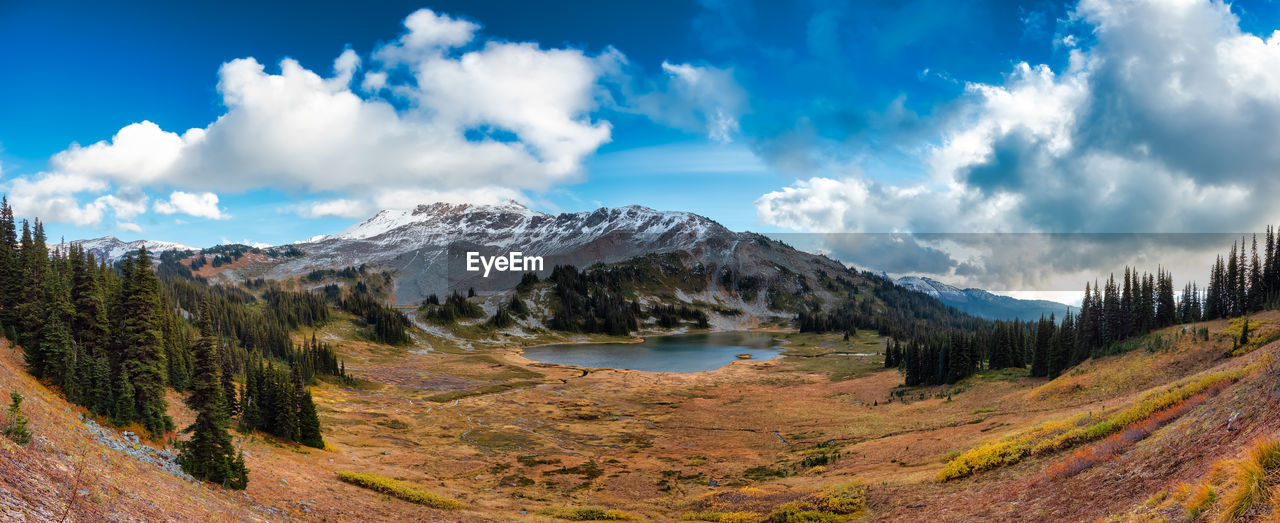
309, 422
57, 354
123, 412
16, 426
209, 454
145, 352
10, 269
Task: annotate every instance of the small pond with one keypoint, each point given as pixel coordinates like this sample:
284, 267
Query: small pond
677, 353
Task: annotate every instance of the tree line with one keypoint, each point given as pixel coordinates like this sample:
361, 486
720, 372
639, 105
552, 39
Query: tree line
1241, 282
113, 338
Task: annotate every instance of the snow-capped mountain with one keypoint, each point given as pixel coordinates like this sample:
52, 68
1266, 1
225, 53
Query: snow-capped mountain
110, 248
426, 247
982, 303
933, 288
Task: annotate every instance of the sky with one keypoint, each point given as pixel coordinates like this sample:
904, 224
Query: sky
925, 136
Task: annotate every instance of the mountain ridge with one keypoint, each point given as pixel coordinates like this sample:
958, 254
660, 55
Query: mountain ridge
984, 303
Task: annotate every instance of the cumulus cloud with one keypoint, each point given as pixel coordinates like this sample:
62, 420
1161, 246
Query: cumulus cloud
1164, 124
1165, 120
202, 205
436, 111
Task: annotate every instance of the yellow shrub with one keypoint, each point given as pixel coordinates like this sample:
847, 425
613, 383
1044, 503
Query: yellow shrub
723, 517
1058, 435
588, 514
399, 489
849, 498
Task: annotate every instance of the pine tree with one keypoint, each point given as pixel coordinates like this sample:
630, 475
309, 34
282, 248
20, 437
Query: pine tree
145, 352
101, 398
123, 412
57, 352
1044, 338
34, 261
10, 269
16, 426
210, 454
229, 389
250, 418
308, 422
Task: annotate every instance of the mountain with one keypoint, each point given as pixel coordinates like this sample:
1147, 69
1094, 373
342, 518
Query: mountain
426, 247
111, 248
982, 303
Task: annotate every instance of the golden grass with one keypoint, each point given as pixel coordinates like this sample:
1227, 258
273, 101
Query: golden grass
1252, 479
588, 514
1233, 489
723, 517
1200, 500
1057, 435
398, 489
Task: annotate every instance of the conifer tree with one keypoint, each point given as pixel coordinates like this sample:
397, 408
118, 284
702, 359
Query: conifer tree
101, 399
229, 389
123, 412
308, 422
145, 353
10, 270
210, 454
34, 261
57, 353
16, 424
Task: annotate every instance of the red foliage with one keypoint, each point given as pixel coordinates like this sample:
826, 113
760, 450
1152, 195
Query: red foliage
1110, 447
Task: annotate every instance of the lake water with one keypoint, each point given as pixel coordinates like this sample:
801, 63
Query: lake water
679, 353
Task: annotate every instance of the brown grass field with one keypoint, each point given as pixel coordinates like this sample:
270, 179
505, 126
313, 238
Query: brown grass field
512, 439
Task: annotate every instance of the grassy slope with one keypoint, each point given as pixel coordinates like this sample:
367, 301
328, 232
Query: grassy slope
768, 432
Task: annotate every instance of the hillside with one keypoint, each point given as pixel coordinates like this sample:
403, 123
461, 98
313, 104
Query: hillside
515, 439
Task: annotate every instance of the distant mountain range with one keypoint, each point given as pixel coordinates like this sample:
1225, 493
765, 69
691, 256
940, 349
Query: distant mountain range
425, 248
982, 303
111, 248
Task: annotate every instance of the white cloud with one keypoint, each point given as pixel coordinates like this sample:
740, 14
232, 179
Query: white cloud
430, 30
468, 116
201, 205
128, 226
408, 198
341, 208
695, 98
1166, 122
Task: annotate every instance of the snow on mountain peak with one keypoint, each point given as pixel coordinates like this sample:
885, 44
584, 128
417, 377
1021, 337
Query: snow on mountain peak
111, 248
389, 220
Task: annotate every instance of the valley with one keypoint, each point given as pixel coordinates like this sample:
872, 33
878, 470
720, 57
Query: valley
777, 386
512, 439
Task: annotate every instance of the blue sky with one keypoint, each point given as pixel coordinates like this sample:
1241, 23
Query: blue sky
810, 116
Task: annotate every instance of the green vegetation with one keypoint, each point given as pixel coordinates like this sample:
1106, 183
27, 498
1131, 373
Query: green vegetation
398, 489
209, 454
277, 401
386, 325
454, 308
15, 427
